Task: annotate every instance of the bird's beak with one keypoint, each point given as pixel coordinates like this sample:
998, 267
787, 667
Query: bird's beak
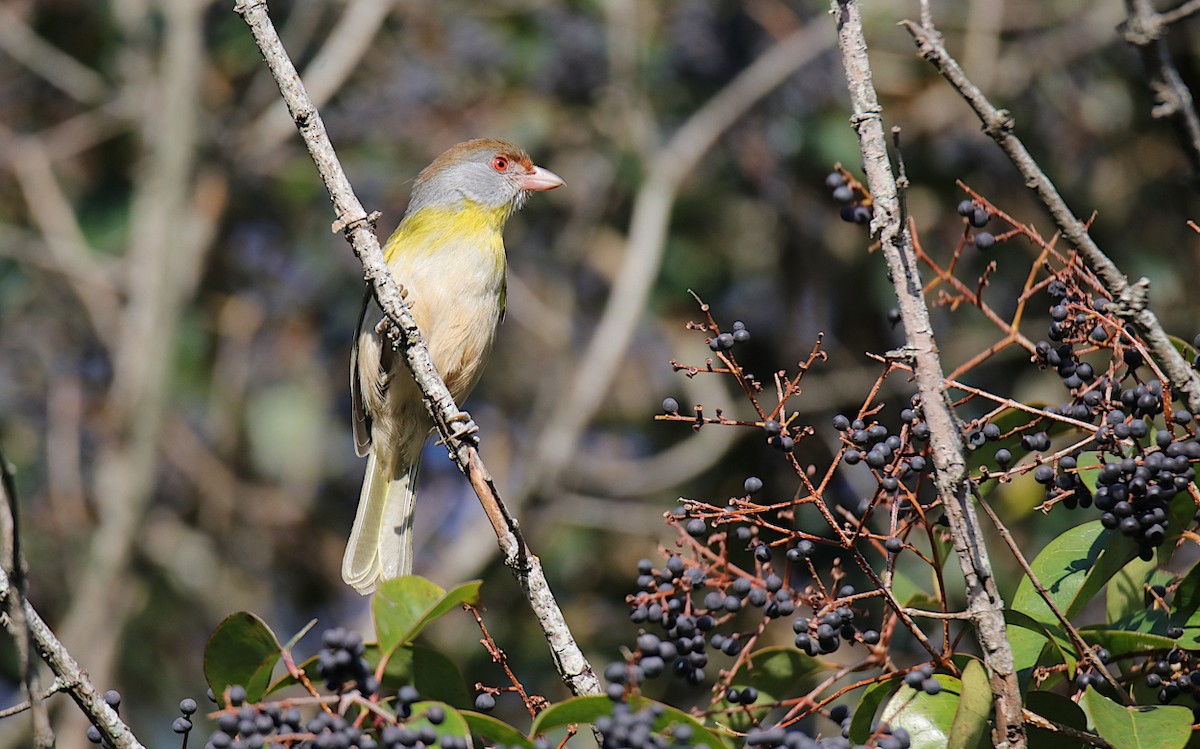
540, 180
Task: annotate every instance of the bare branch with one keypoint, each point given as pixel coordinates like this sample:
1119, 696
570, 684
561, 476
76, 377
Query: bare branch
983, 599
354, 222
1146, 30
1131, 298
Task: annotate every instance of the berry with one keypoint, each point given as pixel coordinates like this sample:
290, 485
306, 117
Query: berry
893, 545
753, 485
181, 725
965, 208
670, 406
984, 240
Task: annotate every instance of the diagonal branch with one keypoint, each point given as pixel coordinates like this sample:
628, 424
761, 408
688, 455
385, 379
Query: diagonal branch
1131, 298
984, 604
358, 227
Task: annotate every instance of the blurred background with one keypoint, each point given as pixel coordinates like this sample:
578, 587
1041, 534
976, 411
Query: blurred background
175, 314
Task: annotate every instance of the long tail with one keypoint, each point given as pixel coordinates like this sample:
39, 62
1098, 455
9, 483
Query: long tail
380, 546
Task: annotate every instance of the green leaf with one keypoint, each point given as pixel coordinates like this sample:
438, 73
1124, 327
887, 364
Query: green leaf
453, 724
241, 650
1072, 568
1139, 727
433, 674
863, 721
781, 671
1187, 595
1121, 641
927, 718
1032, 647
1059, 709
398, 608
587, 709
970, 726
1183, 347
1125, 594
494, 730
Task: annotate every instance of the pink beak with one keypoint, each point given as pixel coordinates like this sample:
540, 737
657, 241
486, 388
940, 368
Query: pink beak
540, 180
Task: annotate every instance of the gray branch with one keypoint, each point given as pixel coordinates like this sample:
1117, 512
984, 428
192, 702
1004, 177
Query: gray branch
358, 227
1130, 297
985, 607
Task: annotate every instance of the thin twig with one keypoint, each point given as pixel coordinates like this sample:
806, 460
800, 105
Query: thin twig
983, 599
358, 228
1085, 652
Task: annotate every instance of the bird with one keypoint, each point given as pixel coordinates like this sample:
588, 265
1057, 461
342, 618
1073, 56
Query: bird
448, 257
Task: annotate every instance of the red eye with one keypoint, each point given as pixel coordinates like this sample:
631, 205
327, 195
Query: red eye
500, 163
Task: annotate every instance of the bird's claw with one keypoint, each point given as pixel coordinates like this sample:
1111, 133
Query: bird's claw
462, 426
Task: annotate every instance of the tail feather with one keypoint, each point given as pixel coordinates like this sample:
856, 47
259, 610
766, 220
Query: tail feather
380, 546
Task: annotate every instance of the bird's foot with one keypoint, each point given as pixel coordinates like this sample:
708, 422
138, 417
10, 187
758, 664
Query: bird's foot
462, 426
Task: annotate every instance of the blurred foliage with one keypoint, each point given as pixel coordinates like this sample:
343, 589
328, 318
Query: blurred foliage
255, 482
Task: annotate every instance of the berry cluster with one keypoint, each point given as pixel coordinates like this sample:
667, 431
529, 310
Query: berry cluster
885, 736
856, 205
1175, 674
627, 728
342, 665
1151, 466
977, 216
824, 634
246, 726
724, 341
921, 678
1086, 676
792, 738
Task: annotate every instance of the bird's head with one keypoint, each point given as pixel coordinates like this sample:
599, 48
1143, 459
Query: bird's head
493, 174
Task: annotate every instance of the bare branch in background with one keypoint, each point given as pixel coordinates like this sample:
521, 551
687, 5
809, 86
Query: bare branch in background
1146, 29
348, 42
1131, 298
671, 165
358, 227
49, 62
984, 604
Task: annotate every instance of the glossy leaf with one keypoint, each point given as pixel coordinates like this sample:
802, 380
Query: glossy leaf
452, 725
970, 726
1139, 727
433, 674
242, 650
863, 721
1125, 594
1072, 568
496, 731
928, 719
1187, 595
400, 606
1022, 626
1056, 708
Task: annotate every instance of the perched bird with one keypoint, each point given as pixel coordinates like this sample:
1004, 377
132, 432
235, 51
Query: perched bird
448, 257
